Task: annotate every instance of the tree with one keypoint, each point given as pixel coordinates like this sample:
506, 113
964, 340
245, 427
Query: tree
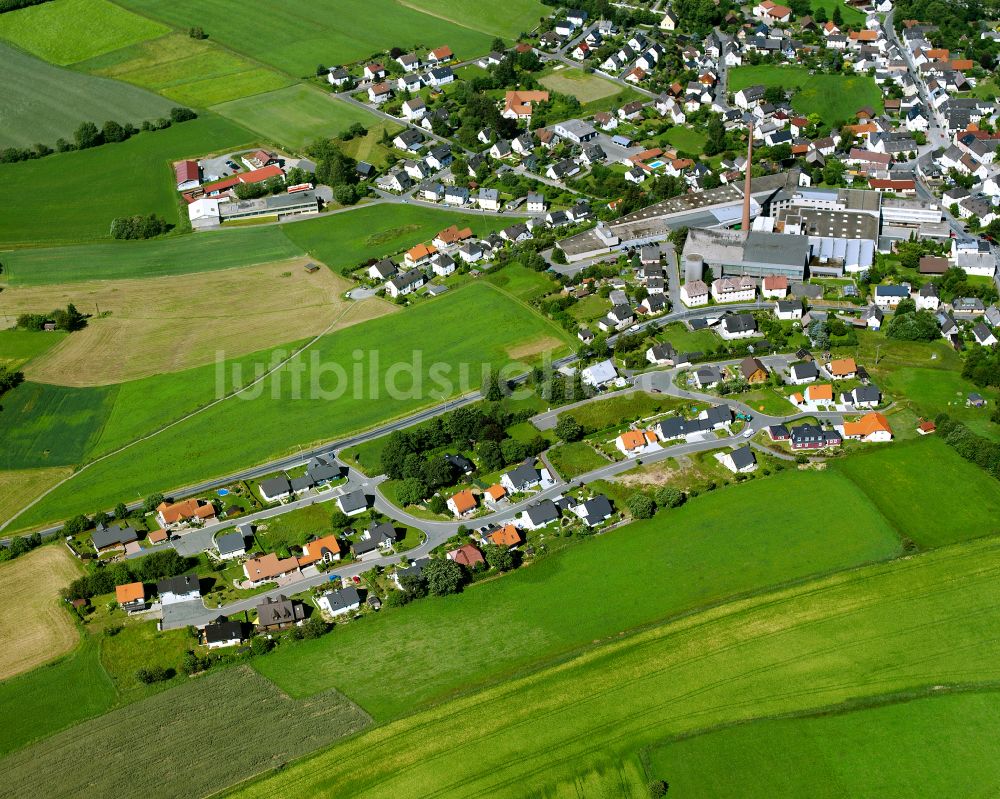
443, 577
321, 70
259, 645
339, 520
414, 585
906, 305
916, 326
76, 525
640, 506
669, 497
182, 114
87, 135
411, 491
197, 33
499, 558
315, 627
716, 132
494, 393
490, 455
774, 94
569, 429
113, 132
151, 503
837, 16
498, 45
439, 471
437, 504
658, 789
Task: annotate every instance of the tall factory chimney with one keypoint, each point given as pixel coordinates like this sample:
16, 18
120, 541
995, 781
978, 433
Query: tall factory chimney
746, 183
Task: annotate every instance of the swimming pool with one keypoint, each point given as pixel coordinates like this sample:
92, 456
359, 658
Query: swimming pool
654, 164
222, 492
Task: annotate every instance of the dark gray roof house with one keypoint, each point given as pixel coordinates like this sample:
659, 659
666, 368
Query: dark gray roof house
353, 502
231, 543
462, 464
524, 476
322, 469
275, 487
223, 632
806, 370
542, 513
280, 612
342, 600
181, 584
595, 510
106, 537
743, 457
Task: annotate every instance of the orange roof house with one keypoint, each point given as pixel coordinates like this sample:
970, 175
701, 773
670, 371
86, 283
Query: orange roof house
326, 549
631, 440
926, 427
517, 105
496, 492
130, 593
820, 393
775, 283
868, 36
462, 502
451, 235
188, 510
157, 536
442, 53
870, 427
935, 53
843, 367
421, 252
269, 567
508, 536
467, 555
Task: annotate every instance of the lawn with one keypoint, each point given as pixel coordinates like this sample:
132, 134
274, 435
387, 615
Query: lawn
576, 83
296, 527
55, 696
17, 347
174, 255
195, 72
369, 148
523, 283
311, 32
65, 31
571, 460
685, 340
44, 102
45, 425
621, 409
694, 556
589, 308
295, 116
404, 366
851, 16
685, 139
42, 629
345, 241
137, 332
70, 197
858, 635
943, 745
160, 741
768, 401
932, 391
927, 491
836, 98
507, 20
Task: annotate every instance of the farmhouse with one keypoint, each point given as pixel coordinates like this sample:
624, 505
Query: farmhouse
752, 370
325, 550
375, 540
405, 283
231, 545
539, 515
188, 175
517, 105
108, 539
738, 326
468, 556
635, 442
506, 536
594, 511
523, 478
353, 503
842, 368
811, 436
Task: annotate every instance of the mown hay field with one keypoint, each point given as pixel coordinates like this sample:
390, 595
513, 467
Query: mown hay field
169, 324
18, 487
36, 627
173, 255
646, 572
194, 740
906, 625
43, 102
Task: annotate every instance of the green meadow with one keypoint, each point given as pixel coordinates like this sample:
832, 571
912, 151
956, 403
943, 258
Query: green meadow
72, 197
937, 745
855, 636
411, 364
43, 102
17, 347
835, 98
295, 116
173, 255
523, 283
717, 546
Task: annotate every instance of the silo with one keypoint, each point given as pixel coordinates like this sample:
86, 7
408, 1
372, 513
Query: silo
694, 267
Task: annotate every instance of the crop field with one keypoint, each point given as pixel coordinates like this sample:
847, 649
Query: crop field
54, 696
43, 425
17, 347
506, 20
575, 82
18, 487
66, 31
306, 33
943, 744
836, 98
148, 330
41, 630
523, 283
72, 197
694, 556
43, 103
575, 458
397, 354
923, 621
340, 242
178, 255
295, 116
165, 736
900, 482
191, 71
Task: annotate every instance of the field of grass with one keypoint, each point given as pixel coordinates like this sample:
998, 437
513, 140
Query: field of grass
904, 626
507, 20
191, 71
20, 486
147, 329
132, 751
54, 696
685, 139
927, 491
344, 241
522, 283
295, 116
44, 425
44, 102
65, 31
577, 83
486, 330
72, 197
575, 459
139, 644
932, 391
309, 33
769, 401
369, 148
685, 340
41, 629
621, 409
695, 555
942, 745
296, 527
178, 255
851, 16
589, 308
17, 347
836, 98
